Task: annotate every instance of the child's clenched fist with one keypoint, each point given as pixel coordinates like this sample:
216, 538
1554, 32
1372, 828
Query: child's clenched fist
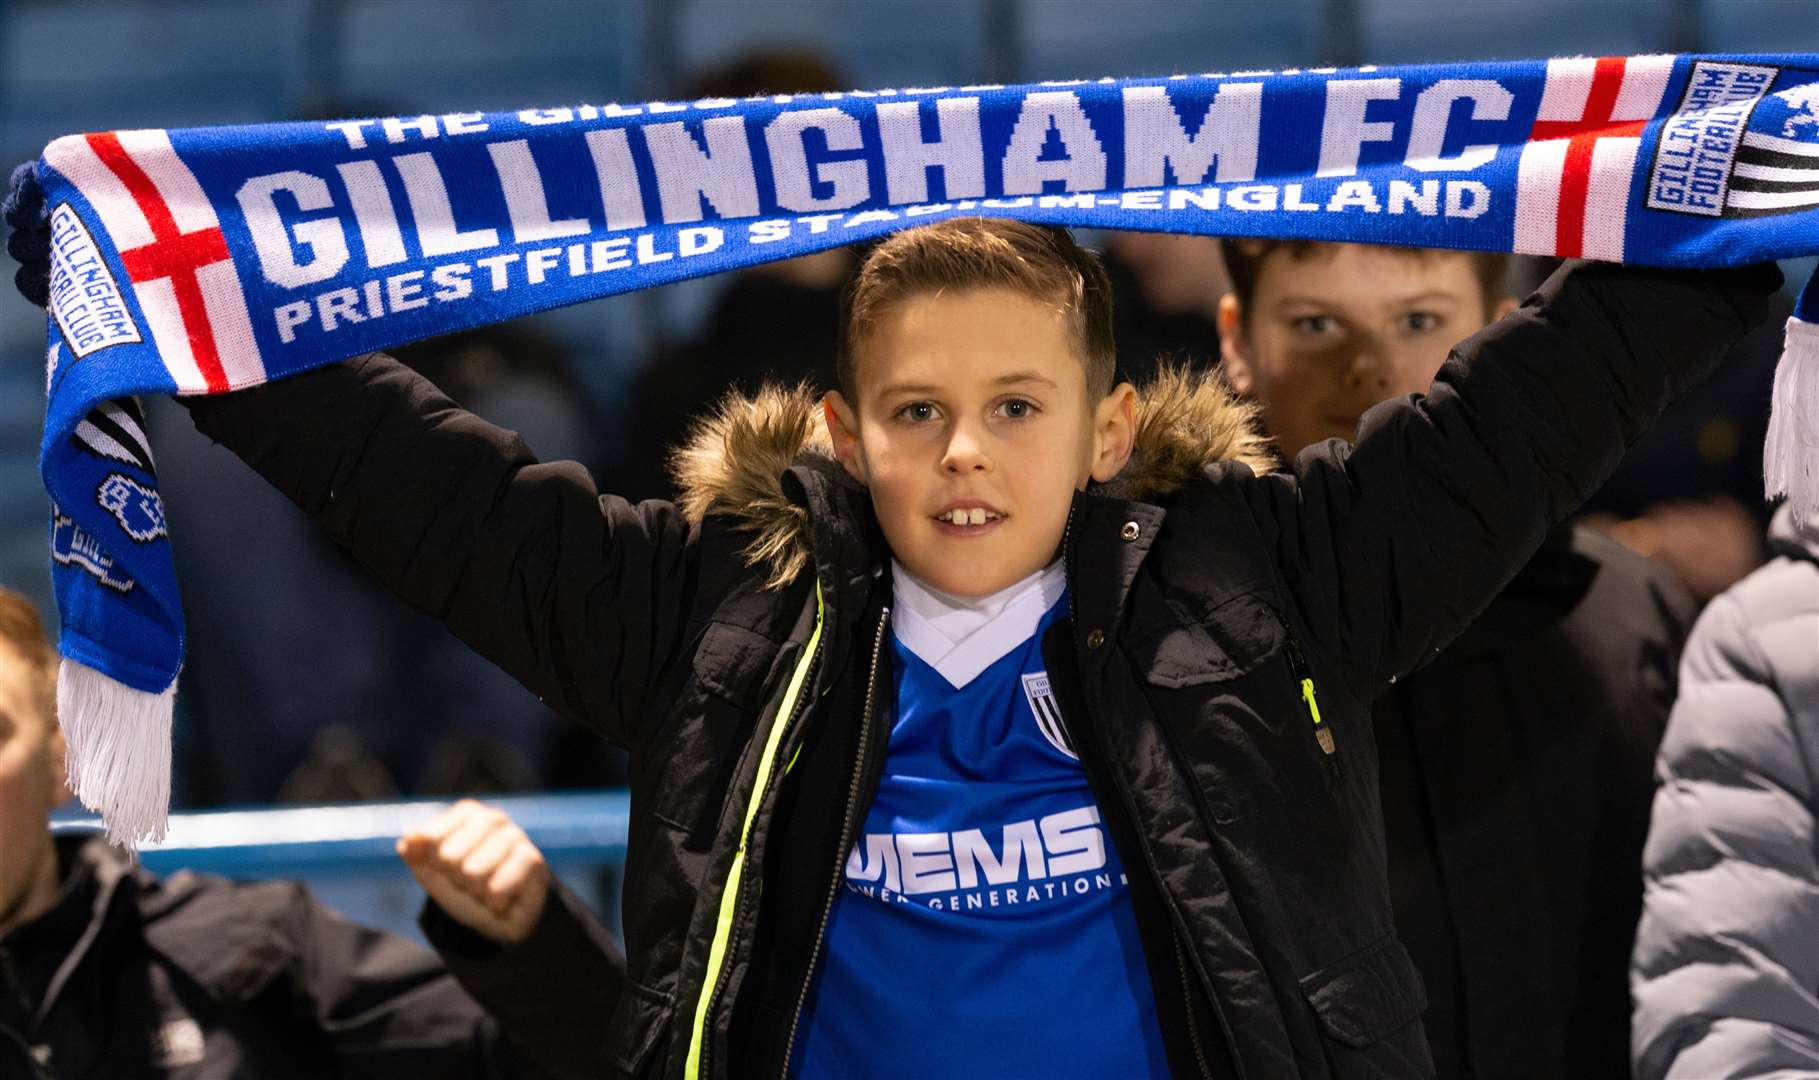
475, 862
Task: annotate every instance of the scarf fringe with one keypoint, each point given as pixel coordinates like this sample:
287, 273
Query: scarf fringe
119, 760
1790, 457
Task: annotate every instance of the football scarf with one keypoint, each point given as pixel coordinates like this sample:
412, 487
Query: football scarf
205, 261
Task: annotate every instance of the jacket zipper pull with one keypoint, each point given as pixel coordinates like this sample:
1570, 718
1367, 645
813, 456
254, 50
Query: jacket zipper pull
1298, 665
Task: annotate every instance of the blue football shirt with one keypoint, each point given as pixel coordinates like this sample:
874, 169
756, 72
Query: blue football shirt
985, 925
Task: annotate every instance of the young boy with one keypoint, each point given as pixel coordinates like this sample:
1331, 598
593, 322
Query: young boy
1532, 736
1166, 760
1316, 333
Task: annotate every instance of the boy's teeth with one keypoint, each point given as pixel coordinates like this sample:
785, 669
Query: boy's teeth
978, 515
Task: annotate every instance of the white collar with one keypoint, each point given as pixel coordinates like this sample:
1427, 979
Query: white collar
962, 636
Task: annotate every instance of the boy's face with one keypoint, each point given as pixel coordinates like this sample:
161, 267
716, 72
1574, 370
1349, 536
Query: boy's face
31, 783
1330, 334
976, 402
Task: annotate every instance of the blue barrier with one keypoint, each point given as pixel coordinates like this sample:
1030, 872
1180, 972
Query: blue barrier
346, 851
288, 841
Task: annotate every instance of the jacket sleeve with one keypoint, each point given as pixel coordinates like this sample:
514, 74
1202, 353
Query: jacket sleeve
384, 1006
579, 596
552, 993
1398, 541
1725, 973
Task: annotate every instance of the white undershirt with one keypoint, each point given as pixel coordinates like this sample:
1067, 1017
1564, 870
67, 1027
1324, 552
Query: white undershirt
962, 636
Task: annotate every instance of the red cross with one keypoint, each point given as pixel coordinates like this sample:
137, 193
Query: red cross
1582, 136
171, 254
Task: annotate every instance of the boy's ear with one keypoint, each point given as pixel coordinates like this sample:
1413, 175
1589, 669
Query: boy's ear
1114, 432
1232, 350
843, 432
1504, 307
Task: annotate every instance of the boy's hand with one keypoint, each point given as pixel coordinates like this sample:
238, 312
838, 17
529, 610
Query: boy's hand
28, 237
481, 868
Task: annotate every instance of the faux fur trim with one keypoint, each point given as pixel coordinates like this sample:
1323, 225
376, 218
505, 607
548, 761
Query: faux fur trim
1187, 420
733, 461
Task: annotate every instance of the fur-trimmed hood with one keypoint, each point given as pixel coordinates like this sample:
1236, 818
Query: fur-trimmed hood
734, 460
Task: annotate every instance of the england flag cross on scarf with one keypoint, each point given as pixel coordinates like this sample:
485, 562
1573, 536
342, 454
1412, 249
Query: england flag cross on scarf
206, 261
173, 251
1572, 182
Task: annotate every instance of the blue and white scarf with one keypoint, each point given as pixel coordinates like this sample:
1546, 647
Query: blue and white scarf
208, 260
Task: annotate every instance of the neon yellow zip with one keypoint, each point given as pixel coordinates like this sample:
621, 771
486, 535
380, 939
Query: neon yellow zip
729, 897
1307, 695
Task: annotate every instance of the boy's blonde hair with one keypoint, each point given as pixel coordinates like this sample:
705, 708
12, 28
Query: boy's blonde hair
1040, 261
23, 632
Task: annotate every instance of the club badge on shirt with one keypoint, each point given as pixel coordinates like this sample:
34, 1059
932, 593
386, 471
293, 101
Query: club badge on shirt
1047, 712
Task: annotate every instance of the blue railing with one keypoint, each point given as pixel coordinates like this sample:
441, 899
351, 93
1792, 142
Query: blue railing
351, 837
345, 851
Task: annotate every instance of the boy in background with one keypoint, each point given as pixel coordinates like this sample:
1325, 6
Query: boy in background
1516, 764
1146, 837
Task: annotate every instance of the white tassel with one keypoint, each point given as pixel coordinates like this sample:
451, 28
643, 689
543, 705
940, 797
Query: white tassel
1790, 457
119, 760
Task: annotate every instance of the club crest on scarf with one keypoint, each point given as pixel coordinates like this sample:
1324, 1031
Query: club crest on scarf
1744, 142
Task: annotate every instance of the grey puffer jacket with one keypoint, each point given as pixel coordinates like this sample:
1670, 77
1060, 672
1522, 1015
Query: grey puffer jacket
1726, 970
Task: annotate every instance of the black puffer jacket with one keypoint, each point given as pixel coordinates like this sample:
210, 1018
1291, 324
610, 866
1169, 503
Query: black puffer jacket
195, 977
1203, 594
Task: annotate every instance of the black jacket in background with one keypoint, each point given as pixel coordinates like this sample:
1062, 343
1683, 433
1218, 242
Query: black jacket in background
1516, 775
196, 977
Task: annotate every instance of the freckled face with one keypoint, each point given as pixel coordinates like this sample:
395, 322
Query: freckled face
1333, 333
975, 403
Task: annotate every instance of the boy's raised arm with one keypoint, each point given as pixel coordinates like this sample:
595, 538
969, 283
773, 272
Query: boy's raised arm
1409, 533
579, 596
